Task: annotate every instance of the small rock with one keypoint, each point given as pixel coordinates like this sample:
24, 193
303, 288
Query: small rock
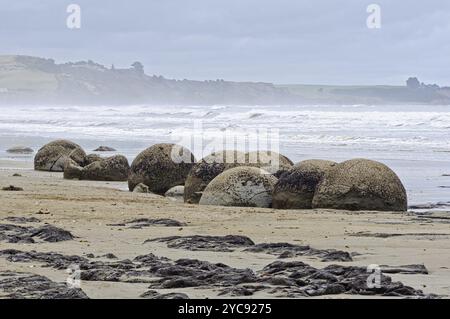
12, 188
20, 150
104, 149
176, 193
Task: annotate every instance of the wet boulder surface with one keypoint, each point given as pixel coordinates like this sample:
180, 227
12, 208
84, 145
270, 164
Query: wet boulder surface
52, 156
161, 167
361, 184
296, 187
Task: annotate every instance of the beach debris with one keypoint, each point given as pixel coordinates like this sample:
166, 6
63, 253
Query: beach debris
286, 250
388, 235
105, 149
12, 188
51, 234
210, 243
361, 184
296, 187
20, 150
242, 290
17, 175
230, 243
240, 186
205, 170
52, 156
42, 212
22, 220
153, 294
24, 234
148, 222
15, 285
282, 279
161, 167
297, 279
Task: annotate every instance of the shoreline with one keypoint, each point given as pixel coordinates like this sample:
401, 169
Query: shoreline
88, 209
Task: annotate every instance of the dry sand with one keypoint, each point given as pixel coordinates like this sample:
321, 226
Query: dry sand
85, 208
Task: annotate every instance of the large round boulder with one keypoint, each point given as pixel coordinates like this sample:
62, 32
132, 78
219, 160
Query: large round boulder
296, 187
114, 168
205, 170
161, 167
240, 186
272, 162
361, 184
52, 156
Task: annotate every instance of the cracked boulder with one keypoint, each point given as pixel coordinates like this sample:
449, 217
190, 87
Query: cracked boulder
53, 156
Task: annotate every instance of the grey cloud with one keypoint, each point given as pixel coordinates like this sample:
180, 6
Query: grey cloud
284, 41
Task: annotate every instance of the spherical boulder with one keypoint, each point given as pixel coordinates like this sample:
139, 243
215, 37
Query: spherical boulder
361, 184
161, 167
114, 168
52, 156
240, 186
205, 170
272, 162
296, 187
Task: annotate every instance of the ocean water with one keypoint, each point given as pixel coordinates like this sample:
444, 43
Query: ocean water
413, 140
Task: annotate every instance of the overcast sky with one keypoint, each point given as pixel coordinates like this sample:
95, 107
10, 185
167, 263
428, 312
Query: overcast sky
280, 41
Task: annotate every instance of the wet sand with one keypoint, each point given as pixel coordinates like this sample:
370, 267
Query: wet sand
87, 209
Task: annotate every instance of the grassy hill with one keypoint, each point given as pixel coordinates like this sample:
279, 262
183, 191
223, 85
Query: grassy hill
33, 80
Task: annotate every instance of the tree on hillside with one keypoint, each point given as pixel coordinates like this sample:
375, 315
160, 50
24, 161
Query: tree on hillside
413, 83
138, 67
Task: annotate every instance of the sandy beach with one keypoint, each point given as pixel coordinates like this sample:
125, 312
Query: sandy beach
95, 213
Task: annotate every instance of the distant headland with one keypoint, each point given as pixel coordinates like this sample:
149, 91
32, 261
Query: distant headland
34, 80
